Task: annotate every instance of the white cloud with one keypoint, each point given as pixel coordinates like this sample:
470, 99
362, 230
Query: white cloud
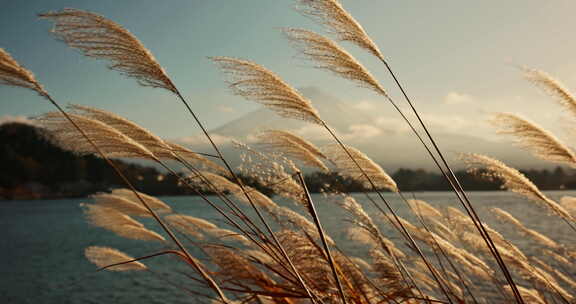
361, 132
18, 118
225, 109
364, 105
454, 98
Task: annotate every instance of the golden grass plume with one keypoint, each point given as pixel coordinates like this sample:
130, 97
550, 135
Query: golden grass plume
13, 74
110, 141
542, 143
552, 86
293, 146
252, 81
338, 21
347, 167
330, 56
101, 38
514, 181
105, 256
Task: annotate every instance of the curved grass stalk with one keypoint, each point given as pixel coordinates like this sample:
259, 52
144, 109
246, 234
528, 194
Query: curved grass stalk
251, 80
30, 83
102, 38
337, 20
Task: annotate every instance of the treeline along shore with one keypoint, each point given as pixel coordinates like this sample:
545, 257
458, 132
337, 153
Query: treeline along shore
32, 167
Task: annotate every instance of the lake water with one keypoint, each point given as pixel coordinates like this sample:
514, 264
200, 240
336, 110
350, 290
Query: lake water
42, 243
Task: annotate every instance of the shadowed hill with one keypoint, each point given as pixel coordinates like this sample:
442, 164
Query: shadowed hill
33, 167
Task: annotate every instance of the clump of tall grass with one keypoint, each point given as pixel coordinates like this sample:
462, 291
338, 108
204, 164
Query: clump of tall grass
276, 254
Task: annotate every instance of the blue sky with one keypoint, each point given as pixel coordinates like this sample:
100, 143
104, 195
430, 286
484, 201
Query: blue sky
457, 58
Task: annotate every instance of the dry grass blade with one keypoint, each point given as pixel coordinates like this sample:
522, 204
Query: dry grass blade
13, 74
252, 81
104, 256
553, 87
293, 146
514, 181
110, 141
98, 37
348, 168
329, 56
331, 14
153, 202
532, 137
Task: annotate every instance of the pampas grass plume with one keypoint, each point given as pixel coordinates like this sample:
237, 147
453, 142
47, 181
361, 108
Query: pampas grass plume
104, 256
13, 74
330, 56
338, 21
101, 38
542, 143
347, 167
252, 81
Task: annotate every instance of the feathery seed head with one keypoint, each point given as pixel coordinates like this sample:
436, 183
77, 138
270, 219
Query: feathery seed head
196, 158
422, 208
542, 143
119, 223
111, 142
151, 201
194, 221
339, 22
101, 38
330, 56
13, 74
294, 146
513, 181
152, 142
552, 86
121, 204
569, 203
254, 82
181, 224
104, 256
106, 217
348, 168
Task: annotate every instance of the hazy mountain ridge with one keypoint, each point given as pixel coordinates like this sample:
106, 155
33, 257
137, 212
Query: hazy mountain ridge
393, 146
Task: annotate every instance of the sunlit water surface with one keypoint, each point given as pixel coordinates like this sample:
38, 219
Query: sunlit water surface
42, 243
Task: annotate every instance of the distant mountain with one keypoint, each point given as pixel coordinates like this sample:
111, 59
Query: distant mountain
393, 146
